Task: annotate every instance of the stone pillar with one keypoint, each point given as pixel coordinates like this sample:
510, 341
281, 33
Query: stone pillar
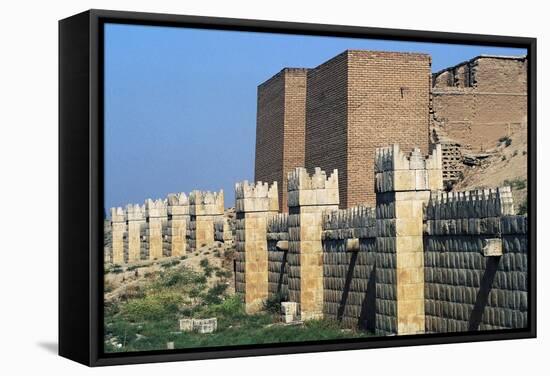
204, 208
308, 198
254, 203
118, 230
403, 185
135, 216
156, 217
178, 218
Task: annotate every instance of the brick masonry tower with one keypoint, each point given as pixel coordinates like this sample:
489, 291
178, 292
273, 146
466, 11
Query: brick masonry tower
361, 100
280, 128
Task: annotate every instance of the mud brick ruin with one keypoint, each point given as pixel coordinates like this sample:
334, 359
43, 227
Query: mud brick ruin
344, 227
335, 115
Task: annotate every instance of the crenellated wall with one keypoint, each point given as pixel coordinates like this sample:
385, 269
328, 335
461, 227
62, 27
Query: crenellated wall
254, 205
349, 245
475, 255
205, 208
277, 248
420, 261
156, 218
309, 196
165, 227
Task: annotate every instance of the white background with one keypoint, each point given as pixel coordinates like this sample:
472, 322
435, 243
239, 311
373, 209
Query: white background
28, 186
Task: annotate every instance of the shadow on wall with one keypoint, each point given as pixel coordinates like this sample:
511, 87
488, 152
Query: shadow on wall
483, 294
282, 272
368, 307
347, 285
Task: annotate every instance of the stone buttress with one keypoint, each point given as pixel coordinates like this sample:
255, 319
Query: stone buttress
178, 219
403, 185
254, 205
205, 208
309, 196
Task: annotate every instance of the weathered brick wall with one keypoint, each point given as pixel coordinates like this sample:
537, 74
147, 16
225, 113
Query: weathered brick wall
349, 280
388, 103
356, 101
280, 128
481, 100
326, 136
465, 289
361, 100
277, 230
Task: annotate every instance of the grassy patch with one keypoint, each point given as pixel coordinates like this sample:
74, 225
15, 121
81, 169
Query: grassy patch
516, 184
146, 317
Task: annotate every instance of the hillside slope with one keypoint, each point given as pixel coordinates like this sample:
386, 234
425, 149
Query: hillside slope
506, 165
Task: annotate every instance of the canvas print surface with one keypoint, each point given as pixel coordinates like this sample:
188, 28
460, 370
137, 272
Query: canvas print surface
274, 188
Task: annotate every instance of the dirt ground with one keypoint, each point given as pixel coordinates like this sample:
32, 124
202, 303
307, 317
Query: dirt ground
507, 163
119, 279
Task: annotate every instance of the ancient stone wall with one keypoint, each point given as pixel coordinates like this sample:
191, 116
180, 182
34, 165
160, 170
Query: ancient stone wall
165, 228
223, 231
277, 234
475, 255
205, 208
309, 196
349, 255
478, 101
254, 205
156, 218
175, 237
118, 233
136, 245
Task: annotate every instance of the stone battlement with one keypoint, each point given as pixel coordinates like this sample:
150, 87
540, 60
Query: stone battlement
355, 217
155, 208
253, 197
479, 203
135, 212
398, 171
311, 190
206, 203
392, 158
117, 214
178, 204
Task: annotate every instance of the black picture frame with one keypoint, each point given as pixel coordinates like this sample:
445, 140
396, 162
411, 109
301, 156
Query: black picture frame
81, 185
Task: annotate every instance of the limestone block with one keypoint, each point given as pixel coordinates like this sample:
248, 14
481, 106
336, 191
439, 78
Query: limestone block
492, 247
186, 325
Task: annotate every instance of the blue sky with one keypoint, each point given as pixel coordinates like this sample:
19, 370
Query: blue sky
180, 104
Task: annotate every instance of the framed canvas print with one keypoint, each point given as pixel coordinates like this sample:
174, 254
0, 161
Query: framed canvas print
240, 187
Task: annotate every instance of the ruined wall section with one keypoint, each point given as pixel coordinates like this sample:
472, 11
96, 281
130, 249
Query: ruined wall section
349, 247
277, 233
475, 255
478, 101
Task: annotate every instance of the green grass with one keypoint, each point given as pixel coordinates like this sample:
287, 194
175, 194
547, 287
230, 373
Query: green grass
516, 183
148, 318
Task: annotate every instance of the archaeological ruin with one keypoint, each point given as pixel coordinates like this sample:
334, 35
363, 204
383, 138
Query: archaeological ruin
336, 114
420, 260
338, 224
